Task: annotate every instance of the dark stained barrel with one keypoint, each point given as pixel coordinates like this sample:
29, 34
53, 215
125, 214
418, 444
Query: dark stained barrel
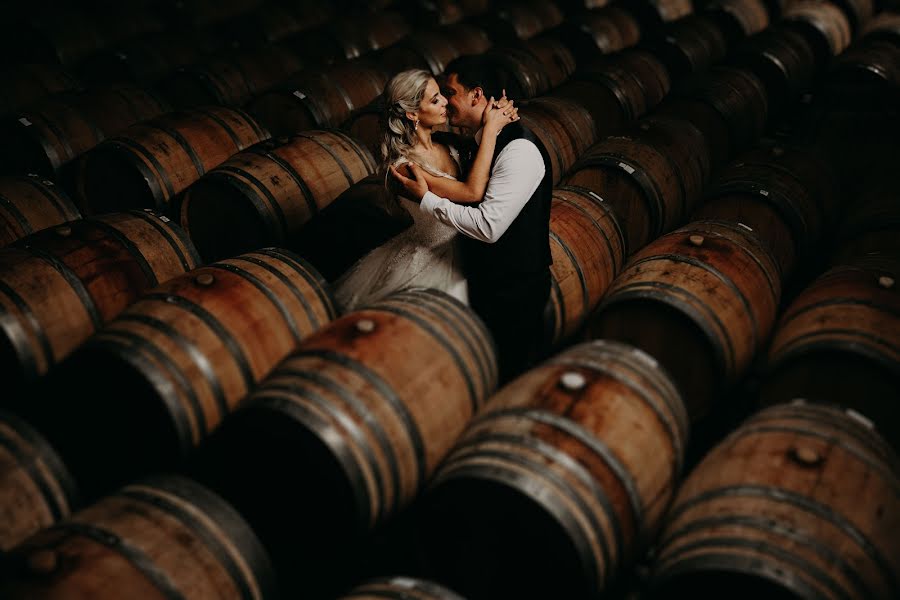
588, 250
26, 84
467, 38
874, 63
166, 537
565, 129
585, 449
872, 224
428, 50
823, 24
707, 119
405, 588
742, 18
315, 98
46, 136
691, 45
350, 37
150, 163
60, 285
637, 78
710, 285
837, 342
264, 196
187, 352
605, 30
885, 25
230, 80
800, 501
519, 71
36, 489
29, 204
520, 21
557, 59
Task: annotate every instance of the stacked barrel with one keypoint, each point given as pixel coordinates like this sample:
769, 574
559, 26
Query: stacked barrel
181, 182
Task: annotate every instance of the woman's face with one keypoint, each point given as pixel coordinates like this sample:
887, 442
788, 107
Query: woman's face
433, 108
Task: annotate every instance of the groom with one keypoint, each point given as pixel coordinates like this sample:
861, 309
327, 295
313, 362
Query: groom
505, 244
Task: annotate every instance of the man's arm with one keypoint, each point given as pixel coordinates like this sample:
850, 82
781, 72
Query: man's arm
514, 178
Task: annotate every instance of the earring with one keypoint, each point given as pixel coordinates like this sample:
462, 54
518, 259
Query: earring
416, 125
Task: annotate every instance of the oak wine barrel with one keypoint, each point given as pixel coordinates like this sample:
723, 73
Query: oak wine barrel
565, 129
638, 79
710, 122
166, 537
402, 588
872, 224
428, 50
565, 475
60, 285
710, 285
740, 18
25, 84
263, 196
557, 59
29, 204
601, 31
151, 163
36, 489
519, 71
691, 45
800, 501
823, 24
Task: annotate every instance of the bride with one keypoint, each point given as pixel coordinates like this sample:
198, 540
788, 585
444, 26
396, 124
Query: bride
425, 254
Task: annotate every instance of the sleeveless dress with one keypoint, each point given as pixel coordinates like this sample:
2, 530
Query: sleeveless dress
423, 255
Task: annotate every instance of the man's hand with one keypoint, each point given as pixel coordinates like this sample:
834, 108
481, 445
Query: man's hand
415, 187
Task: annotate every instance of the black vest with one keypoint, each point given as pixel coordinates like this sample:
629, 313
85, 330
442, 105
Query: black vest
525, 247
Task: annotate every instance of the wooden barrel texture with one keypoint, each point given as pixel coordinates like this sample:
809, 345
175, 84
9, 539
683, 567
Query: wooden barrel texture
564, 128
557, 59
639, 181
885, 25
522, 21
783, 60
166, 537
366, 408
740, 98
710, 285
350, 37
188, 352
607, 30
691, 45
265, 195
318, 98
823, 24
872, 224
638, 79
597, 99
231, 80
24, 85
431, 51
747, 17
45, 137
838, 342
588, 249
467, 38
520, 73
858, 12
684, 145
586, 449
151, 163
31, 203
36, 489
707, 119
60, 285
873, 63
271, 23
800, 501
401, 588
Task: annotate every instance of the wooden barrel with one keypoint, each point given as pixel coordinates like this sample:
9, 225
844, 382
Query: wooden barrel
36, 489
823, 24
874, 63
740, 98
858, 12
264, 196
519, 72
366, 409
586, 450
588, 250
150, 163
317, 98
710, 285
800, 501
597, 99
747, 17
605, 30
872, 224
24, 85
187, 352
405, 588
350, 37
707, 119
467, 38
428, 50
231, 80
565, 129
522, 20
637, 78
60, 285
783, 60
29, 204
557, 59
46, 136
271, 23
691, 45
885, 25
166, 537
837, 342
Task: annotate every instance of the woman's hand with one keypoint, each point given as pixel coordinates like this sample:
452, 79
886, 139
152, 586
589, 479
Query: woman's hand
499, 113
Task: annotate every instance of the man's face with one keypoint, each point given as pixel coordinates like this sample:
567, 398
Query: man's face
460, 102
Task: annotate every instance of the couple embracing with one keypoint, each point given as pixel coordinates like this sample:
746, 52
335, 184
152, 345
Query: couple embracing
480, 209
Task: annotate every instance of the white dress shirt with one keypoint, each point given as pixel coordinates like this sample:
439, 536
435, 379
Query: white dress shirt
516, 174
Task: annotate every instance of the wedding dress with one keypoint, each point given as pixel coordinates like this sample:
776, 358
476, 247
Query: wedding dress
423, 255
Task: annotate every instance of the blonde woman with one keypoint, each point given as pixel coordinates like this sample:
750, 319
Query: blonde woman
425, 254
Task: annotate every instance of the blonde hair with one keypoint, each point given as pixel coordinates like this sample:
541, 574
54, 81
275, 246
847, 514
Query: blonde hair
402, 94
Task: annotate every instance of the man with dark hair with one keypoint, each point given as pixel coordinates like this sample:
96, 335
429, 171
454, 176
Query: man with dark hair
505, 243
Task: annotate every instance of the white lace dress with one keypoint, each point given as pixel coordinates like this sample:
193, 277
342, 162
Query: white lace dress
423, 255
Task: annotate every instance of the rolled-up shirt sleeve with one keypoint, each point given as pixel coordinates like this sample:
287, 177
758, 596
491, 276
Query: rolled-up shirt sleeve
517, 173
